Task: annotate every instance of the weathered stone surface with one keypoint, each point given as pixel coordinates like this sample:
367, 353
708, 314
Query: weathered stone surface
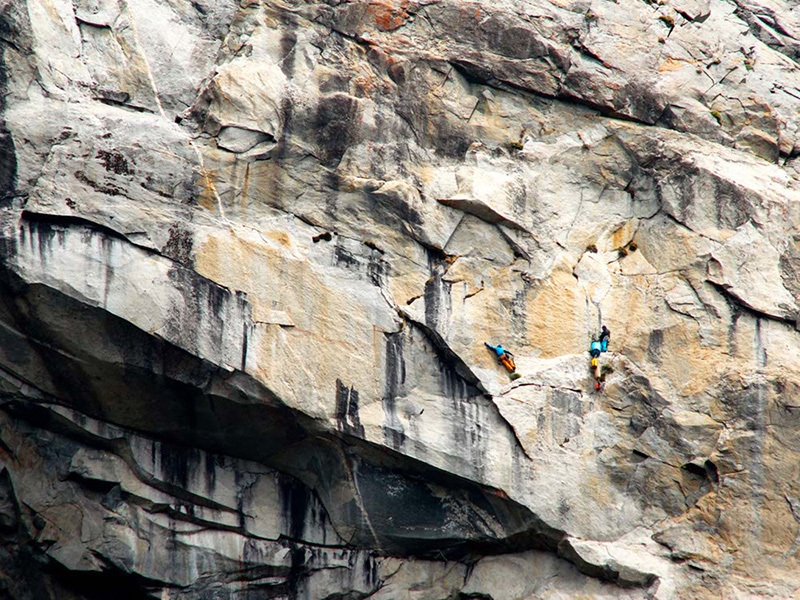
251, 252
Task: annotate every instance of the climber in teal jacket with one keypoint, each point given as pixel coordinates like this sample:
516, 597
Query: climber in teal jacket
499, 350
503, 356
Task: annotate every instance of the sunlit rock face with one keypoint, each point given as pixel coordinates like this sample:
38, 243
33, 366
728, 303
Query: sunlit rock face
252, 251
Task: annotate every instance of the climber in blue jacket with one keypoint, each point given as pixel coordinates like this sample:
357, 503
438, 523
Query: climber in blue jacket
499, 350
503, 356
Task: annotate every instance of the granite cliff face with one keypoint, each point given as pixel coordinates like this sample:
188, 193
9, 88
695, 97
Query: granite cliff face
251, 252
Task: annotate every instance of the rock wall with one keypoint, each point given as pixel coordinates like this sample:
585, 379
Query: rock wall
251, 252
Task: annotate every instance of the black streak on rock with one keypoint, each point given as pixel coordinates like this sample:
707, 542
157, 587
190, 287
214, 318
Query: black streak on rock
211, 472
8, 155
395, 374
347, 410
8, 165
365, 260
287, 65
49, 227
288, 43
342, 257
438, 303
295, 501
177, 463
654, 345
377, 269
336, 126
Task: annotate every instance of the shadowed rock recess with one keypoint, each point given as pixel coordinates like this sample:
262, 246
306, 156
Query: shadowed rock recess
251, 250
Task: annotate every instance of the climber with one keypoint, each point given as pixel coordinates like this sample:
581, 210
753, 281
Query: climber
605, 335
595, 348
504, 357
